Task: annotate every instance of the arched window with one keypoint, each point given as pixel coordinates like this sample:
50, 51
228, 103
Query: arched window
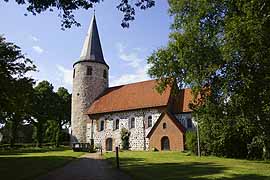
89, 71
105, 74
149, 121
74, 73
116, 124
165, 143
132, 123
101, 125
164, 125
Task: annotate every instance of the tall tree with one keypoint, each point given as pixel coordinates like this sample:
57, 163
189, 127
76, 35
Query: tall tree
221, 48
66, 8
43, 109
20, 108
16, 87
63, 115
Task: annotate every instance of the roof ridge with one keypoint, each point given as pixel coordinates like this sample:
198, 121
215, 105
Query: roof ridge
134, 83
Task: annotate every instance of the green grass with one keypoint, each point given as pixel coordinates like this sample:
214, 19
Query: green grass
29, 163
177, 166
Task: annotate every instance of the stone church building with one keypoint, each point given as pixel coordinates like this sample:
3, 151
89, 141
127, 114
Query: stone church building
99, 112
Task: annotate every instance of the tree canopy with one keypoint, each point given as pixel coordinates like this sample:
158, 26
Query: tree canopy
22, 103
16, 89
66, 9
222, 47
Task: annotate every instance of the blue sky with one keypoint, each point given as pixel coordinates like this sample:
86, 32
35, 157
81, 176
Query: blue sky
54, 51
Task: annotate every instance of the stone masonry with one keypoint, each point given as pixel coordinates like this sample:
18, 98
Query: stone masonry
138, 140
86, 88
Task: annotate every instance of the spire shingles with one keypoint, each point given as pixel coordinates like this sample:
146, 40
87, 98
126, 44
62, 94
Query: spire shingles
92, 50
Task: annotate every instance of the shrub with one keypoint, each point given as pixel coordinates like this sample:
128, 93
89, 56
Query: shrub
191, 141
125, 138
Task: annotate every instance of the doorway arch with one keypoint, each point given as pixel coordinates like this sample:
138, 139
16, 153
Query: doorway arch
165, 143
109, 143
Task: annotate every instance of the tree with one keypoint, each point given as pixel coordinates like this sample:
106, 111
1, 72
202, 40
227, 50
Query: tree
60, 116
66, 8
63, 115
20, 106
44, 108
16, 88
221, 50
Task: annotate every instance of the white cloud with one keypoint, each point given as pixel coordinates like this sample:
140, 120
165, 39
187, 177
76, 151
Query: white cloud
38, 49
132, 58
139, 75
66, 74
33, 38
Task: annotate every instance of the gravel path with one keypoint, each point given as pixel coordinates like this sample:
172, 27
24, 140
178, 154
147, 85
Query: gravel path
88, 167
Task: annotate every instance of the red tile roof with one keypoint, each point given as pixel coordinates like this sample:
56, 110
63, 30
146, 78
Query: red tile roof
129, 97
185, 99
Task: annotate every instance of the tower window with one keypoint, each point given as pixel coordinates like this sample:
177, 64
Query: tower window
89, 71
74, 73
149, 121
105, 74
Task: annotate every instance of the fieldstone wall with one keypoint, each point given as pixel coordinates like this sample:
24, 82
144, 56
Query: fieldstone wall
138, 140
85, 89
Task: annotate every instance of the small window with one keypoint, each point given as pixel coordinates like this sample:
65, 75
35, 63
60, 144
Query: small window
189, 123
105, 74
89, 71
74, 73
116, 124
164, 125
149, 121
132, 123
101, 128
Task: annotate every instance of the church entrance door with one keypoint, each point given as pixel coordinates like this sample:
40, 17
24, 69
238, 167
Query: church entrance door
109, 144
165, 143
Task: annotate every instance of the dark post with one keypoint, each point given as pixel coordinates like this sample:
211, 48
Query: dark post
117, 156
101, 150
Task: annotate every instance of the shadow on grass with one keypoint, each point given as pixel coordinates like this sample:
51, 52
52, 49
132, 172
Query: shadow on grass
139, 169
19, 168
32, 150
57, 168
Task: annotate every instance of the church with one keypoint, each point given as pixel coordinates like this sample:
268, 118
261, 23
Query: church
99, 112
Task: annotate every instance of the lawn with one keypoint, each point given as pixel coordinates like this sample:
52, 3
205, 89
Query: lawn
177, 166
30, 163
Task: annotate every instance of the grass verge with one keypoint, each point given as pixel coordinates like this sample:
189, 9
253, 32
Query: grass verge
177, 166
29, 163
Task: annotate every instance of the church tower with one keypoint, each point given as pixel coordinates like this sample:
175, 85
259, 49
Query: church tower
90, 79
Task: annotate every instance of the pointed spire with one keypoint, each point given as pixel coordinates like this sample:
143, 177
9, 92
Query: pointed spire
92, 50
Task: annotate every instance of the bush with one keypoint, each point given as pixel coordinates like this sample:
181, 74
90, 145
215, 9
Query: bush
191, 141
125, 138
